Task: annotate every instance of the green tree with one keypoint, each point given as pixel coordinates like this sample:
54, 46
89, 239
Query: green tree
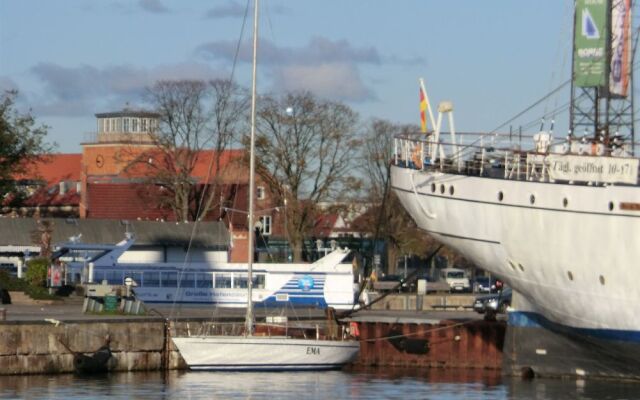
22, 142
36, 273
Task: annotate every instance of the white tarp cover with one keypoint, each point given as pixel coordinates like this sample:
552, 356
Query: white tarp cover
593, 169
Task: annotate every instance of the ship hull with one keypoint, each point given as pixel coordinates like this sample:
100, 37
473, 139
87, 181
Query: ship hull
571, 251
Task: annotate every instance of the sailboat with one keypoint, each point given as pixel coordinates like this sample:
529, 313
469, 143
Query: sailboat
251, 352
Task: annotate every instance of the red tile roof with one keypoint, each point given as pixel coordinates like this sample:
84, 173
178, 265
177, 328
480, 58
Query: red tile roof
200, 171
53, 169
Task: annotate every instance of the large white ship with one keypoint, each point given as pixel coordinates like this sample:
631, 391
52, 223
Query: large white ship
560, 223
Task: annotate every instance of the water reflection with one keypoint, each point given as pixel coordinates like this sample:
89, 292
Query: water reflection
357, 383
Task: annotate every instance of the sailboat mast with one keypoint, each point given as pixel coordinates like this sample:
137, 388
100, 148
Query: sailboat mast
252, 171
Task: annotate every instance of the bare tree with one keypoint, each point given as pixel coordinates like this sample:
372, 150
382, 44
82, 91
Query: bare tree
387, 219
194, 116
304, 151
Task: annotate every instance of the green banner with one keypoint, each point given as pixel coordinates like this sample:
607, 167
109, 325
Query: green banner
590, 43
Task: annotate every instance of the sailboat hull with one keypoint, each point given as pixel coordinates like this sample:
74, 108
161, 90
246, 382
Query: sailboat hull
254, 353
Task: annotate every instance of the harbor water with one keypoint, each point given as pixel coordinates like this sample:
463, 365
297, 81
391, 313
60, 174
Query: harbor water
353, 384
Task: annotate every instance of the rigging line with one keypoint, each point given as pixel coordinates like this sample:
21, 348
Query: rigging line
421, 332
554, 91
210, 168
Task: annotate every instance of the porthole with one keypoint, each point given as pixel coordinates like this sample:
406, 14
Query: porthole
532, 199
512, 265
433, 188
565, 202
500, 196
611, 206
521, 267
451, 190
601, 280
570, 275
442, 189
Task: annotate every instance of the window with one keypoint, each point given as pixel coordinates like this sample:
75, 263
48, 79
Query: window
265, 220
136, 276
188, 280
143, 125
223, 280
151, 279
260, 193
240, 281
134, 124
204, 280
258, 281
169, 279
114, 277
126, 125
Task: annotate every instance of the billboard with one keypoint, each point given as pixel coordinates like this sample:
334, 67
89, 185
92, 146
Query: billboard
590, 43
620, 47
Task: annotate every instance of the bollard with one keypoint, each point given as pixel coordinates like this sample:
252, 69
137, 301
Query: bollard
3, 314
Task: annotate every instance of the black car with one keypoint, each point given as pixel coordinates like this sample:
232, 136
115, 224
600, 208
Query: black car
495, 302
484, 284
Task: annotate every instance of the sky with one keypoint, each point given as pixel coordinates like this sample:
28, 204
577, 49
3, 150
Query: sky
70, 59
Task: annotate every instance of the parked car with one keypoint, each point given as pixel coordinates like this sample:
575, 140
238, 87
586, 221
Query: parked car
495, 302
484, 284
389, 282
456, 278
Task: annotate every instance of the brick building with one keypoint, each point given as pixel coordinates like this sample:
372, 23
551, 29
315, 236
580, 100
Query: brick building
109, 181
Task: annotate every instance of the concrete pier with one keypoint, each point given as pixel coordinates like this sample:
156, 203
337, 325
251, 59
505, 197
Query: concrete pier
44, 338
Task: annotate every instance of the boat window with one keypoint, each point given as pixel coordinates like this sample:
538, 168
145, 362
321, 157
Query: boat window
240, 281
204, 280
223, 280
151, 279
114, 277
433, 187
451, 190
188, 280
500, 196
442, 189
611, 206
259, 281
135, 275
169, 279
532, 199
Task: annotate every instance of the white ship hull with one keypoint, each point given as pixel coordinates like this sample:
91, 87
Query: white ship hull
264, 353
570, 250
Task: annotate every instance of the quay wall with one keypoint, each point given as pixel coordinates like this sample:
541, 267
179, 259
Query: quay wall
412, 302
38, 347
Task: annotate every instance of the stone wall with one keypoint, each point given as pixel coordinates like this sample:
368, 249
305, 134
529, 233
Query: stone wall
137, 344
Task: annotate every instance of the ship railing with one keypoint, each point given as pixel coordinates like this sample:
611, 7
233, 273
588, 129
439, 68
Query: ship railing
497, 159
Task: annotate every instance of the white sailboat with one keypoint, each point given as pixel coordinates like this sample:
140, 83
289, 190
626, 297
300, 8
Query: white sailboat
250, 352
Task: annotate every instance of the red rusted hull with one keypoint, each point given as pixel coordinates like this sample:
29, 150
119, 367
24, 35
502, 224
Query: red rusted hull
447, 344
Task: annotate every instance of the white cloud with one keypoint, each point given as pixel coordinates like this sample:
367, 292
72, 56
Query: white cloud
153, 6
336, 81
77, 91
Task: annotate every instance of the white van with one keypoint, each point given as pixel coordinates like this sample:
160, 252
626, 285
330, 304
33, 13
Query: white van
456, 279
